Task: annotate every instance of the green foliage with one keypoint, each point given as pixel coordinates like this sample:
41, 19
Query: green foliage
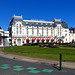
69, 45
56, 46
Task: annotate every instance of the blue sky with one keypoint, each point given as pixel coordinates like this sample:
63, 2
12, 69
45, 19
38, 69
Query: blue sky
37, 9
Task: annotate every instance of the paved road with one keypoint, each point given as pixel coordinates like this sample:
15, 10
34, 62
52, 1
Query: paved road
17, 67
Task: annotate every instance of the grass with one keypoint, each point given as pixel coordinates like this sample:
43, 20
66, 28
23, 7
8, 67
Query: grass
48, 53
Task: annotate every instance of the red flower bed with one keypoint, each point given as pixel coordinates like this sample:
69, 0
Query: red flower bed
38, 39
27, 39
70, 42
0, 43
62, 40
33, 39
43, 39
14, 41
56, 40
0, 34
47, 39
23, 41
52, 39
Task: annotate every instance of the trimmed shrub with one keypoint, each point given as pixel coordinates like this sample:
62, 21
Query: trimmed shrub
56, 46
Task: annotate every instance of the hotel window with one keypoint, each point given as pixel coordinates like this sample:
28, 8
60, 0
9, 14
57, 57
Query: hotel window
20, 30
42, 31
65, 30
17, 25
26, 22
17, 32
32, 30
27, 33
17, 29
51, 31
60, 31
36, 23
20, 25
66, 39
47, 31
50, 23
71, 31
65, 35
37, 29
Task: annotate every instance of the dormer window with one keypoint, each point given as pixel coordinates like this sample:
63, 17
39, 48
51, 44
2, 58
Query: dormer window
36, 23
50, 23
26, 22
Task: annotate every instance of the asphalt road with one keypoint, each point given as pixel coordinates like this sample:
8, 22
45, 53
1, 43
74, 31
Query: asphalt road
18, 67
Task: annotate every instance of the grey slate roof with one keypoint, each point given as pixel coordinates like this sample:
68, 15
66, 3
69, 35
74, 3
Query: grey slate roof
72, 30
0, 27
19, 18
64, 25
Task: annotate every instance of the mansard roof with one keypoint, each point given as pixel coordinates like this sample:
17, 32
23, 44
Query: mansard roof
39, 23
64, 24
0, 27
17, 18
72, 30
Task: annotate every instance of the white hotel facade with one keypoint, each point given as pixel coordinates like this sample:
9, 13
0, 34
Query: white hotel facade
4, 38
22, 31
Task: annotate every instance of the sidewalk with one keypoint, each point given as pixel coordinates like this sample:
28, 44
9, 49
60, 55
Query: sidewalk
38, 60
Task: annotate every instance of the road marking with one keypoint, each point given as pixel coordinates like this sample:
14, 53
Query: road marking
34, 71
47, 70
31, 68
5, 67
19, 69
17, 66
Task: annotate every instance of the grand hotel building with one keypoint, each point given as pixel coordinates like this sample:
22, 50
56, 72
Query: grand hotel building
23, 31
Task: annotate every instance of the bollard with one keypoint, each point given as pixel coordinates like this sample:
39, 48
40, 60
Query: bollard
60, 62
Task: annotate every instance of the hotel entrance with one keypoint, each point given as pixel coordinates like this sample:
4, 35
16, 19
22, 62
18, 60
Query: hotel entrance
19, 41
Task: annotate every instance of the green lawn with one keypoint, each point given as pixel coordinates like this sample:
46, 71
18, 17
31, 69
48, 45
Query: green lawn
49, 53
